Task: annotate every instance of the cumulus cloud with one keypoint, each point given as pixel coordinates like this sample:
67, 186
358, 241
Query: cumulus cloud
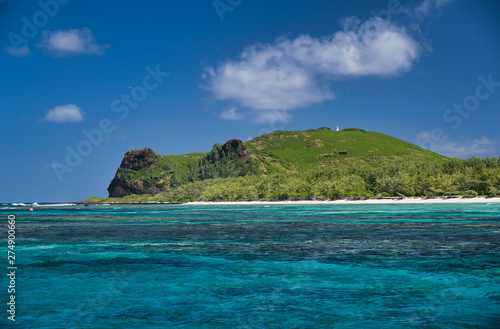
76, 41
22, 51
64, 113
294, 73
231, 114
482, 146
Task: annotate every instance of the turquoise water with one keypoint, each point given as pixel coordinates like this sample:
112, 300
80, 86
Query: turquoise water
256, 266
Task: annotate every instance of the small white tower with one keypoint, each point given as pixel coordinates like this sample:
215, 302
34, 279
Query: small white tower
337, 129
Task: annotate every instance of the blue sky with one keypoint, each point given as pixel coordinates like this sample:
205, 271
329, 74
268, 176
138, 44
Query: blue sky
82, 82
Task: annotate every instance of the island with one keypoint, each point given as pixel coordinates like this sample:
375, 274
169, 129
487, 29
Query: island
316, 164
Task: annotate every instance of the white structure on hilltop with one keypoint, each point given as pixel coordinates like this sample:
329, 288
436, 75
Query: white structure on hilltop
337, 129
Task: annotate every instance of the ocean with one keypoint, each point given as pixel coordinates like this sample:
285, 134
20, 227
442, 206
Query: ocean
253, 266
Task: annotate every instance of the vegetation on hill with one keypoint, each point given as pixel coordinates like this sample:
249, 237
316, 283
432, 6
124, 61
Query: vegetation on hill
223, 161
353, 129
455, 177
294, 151
302, 165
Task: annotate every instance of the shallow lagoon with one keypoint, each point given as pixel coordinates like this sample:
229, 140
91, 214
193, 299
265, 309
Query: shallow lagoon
258, 266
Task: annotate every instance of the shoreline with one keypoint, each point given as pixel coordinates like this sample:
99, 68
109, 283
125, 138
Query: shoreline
415, 200
367, 201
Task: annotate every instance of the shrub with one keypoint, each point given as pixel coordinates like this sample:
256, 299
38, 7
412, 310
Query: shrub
471, 193
494, 192
279, 196
451, 194
429, 194
353, 129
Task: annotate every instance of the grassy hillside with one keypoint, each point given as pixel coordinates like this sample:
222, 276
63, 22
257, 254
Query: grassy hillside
163, 166
293, 151
180, 163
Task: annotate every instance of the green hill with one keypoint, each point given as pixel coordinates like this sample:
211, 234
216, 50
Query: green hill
294, 151
311, 164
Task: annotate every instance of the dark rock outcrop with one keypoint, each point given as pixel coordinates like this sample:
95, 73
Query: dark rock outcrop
235, 149
139, 159
122, 185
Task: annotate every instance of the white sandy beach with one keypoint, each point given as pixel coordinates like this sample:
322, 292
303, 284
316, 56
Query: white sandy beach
368, 201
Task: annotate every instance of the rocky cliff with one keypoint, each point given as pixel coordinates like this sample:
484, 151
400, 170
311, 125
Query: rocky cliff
235, 149
128, 180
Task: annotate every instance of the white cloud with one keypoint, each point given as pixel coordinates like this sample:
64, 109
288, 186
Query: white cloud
482, 146
22, 51
274, 116
427, 7
64, 113
76, 41
295, 73
231, 114
350, 23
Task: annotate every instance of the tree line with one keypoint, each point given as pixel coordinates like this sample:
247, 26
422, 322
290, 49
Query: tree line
226, 180
222, 161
